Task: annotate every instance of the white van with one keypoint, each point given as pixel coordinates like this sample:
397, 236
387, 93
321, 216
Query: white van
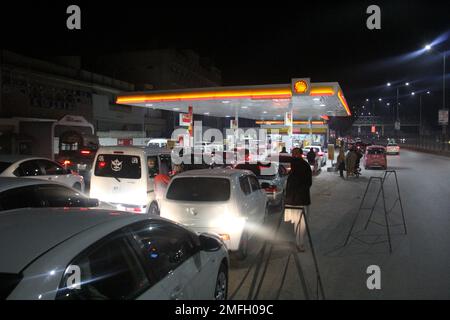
123, 177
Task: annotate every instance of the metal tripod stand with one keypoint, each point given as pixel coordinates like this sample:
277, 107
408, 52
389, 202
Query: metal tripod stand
372, 208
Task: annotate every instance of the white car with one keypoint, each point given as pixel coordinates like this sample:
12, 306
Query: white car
72, 254
39, 168
272, 177
392, 148
227, 202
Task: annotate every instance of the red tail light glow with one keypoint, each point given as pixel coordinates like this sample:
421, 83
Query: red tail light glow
85, 152
271, 189
67, 162
102, 164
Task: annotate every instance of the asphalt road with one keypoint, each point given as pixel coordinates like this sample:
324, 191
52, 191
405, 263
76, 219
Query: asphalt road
418, 267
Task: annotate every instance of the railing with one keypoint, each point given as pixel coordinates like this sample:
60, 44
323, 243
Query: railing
428, 144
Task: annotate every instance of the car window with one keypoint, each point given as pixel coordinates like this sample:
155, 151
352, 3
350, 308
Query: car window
166, 164
118, 166
28, 168
375, 151
254, 183
51, 195
22, 197
164, 247
50, 168
108, 270
199, 189
245, 185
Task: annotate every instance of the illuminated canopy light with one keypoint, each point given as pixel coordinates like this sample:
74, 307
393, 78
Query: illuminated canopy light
272, 122
344, 102
322, 91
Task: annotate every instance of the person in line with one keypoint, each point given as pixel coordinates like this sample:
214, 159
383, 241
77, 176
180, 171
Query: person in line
298, 195
283, 150
350, 161
341, 162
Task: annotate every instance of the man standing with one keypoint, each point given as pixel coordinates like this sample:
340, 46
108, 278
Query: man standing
297, 194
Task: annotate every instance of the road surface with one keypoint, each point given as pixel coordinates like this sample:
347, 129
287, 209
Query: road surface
419, 266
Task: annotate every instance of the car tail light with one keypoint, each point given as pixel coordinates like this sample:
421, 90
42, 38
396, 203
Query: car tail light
102, 164
271, 189
321, 154
67, 162
85, 152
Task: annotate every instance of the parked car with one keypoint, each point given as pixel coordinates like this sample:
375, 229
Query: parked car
272, 178
32, 193
73, 254
393, 148
375, 157
39, 168
227, 202
157, 143
124, 176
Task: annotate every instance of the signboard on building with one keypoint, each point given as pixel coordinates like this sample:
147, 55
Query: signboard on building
301, 87
443, 117
373, 129
185, 119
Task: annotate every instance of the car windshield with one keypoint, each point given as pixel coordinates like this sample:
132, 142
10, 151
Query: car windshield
375, 151
199, 189
265, 171
118, 166
4, 166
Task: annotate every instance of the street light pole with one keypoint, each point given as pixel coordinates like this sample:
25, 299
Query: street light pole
420, 115
444, 127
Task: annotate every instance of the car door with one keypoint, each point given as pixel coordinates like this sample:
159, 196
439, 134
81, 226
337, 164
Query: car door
259, 199
172, 255
54, 172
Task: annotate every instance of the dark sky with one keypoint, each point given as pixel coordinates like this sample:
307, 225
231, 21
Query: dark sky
251, 42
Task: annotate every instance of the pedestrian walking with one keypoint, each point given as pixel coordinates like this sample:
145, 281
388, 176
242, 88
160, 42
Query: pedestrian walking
298, 195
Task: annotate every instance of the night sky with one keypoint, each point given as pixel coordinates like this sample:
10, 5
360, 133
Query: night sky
252, 43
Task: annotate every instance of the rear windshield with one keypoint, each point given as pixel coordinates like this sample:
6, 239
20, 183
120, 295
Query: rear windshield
392, 145
375, 151
260, 170
4, 166
118, 166
199, 189
8, 282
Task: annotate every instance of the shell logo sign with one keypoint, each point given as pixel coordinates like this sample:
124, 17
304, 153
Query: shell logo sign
300, 86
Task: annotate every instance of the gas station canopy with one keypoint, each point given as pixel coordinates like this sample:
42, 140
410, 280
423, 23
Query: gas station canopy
308, 101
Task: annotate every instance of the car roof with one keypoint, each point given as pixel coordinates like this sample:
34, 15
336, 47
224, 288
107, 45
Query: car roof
26, 234
214, 172
135, 150
19, 157
7, 183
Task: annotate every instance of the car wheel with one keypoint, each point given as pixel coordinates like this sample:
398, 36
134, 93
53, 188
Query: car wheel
221, 289
77, 186
242, 252
154, 209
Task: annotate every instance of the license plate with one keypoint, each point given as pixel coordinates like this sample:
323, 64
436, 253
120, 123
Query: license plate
81, 166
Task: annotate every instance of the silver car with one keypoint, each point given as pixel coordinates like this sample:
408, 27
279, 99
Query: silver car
74, 254
272, 178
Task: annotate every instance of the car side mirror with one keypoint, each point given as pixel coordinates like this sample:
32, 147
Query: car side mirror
208, 243
91, 202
